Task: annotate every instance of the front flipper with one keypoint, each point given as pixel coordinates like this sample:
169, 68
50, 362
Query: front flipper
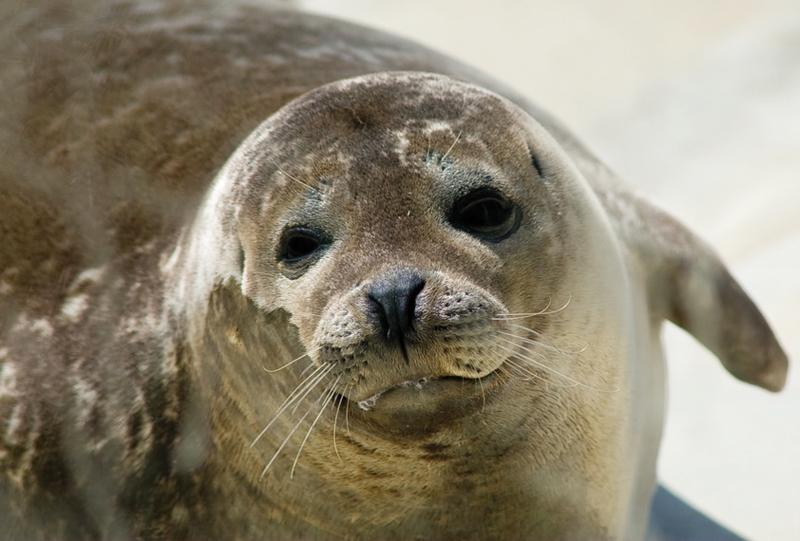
690, 286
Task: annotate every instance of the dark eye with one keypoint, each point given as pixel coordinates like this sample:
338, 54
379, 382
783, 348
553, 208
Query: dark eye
485, 214
298, 244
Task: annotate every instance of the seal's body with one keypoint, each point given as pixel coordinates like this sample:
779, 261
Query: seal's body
407, 305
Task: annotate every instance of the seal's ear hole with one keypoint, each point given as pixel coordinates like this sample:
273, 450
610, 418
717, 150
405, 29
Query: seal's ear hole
299, 245
486, 214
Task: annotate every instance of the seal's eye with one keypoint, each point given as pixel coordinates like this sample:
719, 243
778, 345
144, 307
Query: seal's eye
485, 214
299, 244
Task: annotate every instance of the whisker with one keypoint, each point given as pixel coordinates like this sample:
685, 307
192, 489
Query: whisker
336, 418
523, 366
519, 370
290, 363
522, 369
285, 441
309, 186
451, 147
540, 344
306, 369
327, 393
543, 366
511, 317
530, 375
543, 345
301, 391
543, 312
347, 411
306, 393
300, 388
522, 315
536, 343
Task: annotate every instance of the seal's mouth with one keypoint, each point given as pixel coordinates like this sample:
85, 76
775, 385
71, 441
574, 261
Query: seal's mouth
426, 387
424, 404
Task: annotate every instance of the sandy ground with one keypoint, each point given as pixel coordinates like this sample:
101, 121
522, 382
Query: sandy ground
697, 104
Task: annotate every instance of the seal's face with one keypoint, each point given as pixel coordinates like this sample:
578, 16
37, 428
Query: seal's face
418, 245
447, 279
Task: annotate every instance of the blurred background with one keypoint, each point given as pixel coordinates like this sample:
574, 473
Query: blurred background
697, 104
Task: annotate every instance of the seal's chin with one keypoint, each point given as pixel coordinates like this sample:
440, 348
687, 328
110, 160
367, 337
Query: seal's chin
425, 405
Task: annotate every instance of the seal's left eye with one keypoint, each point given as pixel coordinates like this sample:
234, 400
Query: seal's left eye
485, 214
299, 244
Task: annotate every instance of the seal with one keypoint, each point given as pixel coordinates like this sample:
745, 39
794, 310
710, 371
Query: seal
270, 275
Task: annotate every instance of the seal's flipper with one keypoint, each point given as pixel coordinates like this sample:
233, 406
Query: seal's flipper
708, 302
689, 285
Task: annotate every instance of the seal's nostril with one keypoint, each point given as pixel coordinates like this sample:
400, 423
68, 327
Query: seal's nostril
394, 297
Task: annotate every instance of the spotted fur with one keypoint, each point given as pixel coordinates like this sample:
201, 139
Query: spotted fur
141, 305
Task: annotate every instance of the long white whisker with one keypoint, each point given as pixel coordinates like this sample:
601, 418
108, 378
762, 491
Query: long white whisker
306, 369
347, 411
531, 331
303, 418
539, 343
543, 312
336, 418
512, 317
327, 393
524, 328
300, 387
451, 147
294, 178
528, 373
483, 395
543, 366
301, 391
290, 363
522, 369
509, 315
515, 353
527, 370
317, 381
536, 343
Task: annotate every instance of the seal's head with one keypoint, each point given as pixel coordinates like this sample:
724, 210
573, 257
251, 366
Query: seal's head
417, 259
430, 245
412, 226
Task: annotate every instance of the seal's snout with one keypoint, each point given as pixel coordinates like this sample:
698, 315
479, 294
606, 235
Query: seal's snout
392, 301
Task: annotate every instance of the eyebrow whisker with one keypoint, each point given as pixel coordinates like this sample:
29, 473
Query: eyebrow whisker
451, 146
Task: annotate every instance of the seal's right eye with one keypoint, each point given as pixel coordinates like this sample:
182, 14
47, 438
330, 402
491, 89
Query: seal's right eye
485, 214
299, 245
